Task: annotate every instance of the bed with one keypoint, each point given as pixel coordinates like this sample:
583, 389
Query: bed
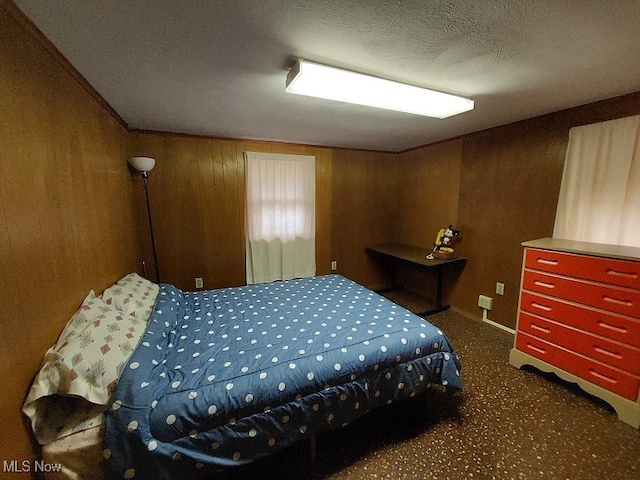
224, 377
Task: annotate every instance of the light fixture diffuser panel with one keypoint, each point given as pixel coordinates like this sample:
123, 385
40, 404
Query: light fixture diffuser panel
322, 81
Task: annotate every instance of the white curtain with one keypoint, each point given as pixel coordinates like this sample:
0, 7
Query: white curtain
280, 214
600, 191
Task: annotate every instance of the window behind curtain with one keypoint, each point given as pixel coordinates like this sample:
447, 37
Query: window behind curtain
600, 191
280, 216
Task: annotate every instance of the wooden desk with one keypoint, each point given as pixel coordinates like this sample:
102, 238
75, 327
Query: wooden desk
401, 253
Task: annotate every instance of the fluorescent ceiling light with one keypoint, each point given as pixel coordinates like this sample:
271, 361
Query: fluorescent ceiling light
316, 80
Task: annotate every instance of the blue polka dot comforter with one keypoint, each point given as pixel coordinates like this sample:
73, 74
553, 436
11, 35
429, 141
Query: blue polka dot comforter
224, 377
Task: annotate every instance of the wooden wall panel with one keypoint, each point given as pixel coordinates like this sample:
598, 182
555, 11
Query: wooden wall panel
66, 211
509, 186
197, 199
500, 188
365, 211
428, 190
509, 190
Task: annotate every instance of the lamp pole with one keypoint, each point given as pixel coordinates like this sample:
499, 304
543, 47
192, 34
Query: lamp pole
145, 175
144, 165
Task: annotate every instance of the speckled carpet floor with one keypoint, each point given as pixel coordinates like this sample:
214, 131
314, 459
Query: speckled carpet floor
506, 424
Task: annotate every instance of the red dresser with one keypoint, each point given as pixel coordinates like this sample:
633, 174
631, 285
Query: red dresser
579, 317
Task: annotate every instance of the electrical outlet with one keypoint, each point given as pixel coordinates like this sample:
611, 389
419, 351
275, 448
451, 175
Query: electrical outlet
334, 266
199, 282
500, 288
485, 302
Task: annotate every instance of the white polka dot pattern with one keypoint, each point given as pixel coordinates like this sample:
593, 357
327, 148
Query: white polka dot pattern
236, 373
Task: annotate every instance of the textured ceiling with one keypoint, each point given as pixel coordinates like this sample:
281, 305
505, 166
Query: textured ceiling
218, 67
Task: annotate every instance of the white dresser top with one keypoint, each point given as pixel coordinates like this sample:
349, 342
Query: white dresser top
588, 248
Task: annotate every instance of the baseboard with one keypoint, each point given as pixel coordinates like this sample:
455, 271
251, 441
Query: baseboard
499, 325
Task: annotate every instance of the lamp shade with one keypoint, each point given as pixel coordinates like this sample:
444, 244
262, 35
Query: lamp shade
143, 164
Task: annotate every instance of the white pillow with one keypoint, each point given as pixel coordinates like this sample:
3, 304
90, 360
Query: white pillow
85, 364
133, 295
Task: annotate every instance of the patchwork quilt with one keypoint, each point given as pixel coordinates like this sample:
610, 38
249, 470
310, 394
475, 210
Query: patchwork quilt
224, 377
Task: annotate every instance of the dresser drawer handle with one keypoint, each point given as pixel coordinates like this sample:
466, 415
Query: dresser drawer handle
536, 349
607, 352
540, 329
612, 327
544, 284
547, 262
626, 303
615, 273
603, 377
546, 308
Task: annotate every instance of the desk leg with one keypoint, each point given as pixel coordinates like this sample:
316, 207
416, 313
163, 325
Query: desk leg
439, 289
393, 275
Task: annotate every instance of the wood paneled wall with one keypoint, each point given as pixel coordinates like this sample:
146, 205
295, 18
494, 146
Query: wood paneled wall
72, 215
499, 187
197, 200
66, 211
384, 197
365, 211
509, 181
508, 194
428, 192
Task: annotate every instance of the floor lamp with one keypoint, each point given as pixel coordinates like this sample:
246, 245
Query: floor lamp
144, 165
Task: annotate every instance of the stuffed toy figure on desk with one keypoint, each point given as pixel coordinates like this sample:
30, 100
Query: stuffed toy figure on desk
443, 245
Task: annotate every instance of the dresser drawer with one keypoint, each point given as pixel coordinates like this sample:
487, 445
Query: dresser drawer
609, 378
614, 299
606, 351
624, 273
605, 324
